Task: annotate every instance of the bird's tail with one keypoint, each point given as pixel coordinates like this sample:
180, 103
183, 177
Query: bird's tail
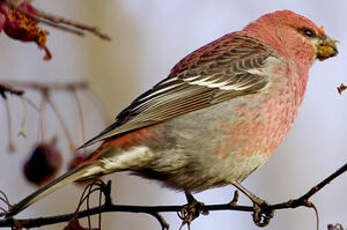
84, 171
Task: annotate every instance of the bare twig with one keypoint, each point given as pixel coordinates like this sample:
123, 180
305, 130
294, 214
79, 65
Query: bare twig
7, 88
335, 227
11, 145
315, 212
80, 114
52, 24
155, 210
50, 86
301, 201
234, 201
62, 124
42, 117
60, 20
22, 125
164, 225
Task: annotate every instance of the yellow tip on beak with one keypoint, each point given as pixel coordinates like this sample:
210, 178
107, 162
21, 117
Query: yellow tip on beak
326, 47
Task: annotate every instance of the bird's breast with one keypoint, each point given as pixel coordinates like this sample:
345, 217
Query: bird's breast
258, 125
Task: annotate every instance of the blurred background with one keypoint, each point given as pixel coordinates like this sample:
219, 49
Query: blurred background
148, 38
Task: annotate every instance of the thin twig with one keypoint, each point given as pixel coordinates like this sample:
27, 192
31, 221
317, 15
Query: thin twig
4, 198
11, 145
52, 24
301, 200
31, 103
7, 88
164, 225
315, 212
60, 20
80, 114
51, 86
109, 207
37, 222
24, 118
45, 89
335, 227
42, 118
62, 124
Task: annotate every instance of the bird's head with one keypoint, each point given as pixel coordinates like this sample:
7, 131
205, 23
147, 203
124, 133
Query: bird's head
294, 36
324, 46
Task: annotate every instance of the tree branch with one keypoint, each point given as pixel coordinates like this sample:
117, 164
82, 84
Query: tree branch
6, 88
150, 210
302, 201
42, 86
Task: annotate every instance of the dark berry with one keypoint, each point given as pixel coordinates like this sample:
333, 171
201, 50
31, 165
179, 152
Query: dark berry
43, 164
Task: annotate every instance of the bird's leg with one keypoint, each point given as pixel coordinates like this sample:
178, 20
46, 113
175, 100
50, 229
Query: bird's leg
190, 198
191, 210
261, 213
194, 204
250, 195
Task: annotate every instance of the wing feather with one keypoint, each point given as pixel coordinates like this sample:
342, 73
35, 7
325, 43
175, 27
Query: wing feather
215, 73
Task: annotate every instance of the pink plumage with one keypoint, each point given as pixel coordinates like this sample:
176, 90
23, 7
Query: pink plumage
219, 114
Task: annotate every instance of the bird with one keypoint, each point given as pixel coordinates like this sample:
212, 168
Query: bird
219, 114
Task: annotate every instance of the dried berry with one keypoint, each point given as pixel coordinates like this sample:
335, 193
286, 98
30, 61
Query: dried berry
21, 27
341, 88
43, 164
74, 224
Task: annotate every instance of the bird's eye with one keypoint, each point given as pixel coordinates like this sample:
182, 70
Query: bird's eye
309, 33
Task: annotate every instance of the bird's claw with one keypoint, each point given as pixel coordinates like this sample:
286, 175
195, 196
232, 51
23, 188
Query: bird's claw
262, 214
191, 211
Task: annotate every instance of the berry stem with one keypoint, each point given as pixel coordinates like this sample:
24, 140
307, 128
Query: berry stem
62, 123
11, 145
42, 118
80, 113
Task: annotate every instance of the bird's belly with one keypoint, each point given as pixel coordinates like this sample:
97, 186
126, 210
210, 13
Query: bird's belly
220, 144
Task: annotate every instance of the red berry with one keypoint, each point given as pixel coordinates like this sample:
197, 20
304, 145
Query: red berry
43, 164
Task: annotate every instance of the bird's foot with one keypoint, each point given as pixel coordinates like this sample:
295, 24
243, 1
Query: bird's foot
261, 214
191, 210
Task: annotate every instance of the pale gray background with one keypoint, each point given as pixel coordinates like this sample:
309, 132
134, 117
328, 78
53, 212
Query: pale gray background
149, 37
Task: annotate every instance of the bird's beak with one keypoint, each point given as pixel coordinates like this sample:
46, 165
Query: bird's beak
326, 47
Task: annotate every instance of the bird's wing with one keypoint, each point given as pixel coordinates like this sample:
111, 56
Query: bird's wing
227, 68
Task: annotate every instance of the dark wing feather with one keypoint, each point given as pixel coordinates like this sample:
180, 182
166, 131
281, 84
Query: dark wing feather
215, 73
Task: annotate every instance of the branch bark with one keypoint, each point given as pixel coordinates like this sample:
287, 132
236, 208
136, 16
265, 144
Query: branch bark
302, 201
6, 88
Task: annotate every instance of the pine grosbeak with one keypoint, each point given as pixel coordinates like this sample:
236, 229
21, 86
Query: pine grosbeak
219, 114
